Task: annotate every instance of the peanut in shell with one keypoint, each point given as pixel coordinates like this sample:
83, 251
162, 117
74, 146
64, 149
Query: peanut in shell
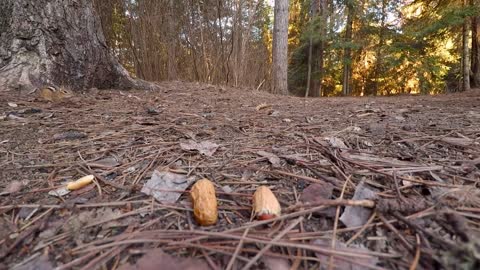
204, 202
265, 204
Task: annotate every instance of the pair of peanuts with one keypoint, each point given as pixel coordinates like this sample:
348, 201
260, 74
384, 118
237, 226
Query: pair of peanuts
205, 210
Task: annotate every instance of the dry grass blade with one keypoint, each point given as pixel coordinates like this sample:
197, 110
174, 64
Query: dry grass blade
267, 247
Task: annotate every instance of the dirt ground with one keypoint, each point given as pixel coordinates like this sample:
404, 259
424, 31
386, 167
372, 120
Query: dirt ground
410, 165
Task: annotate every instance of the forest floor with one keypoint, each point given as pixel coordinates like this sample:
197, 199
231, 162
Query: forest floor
410, 164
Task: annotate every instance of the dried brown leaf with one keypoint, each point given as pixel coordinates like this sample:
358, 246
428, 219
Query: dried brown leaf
356, 215
69, 135
39, 263
206, 148
163, 184
108, 162
317, 192
272, 158
14, 186
462, 142
274, 263
336, 142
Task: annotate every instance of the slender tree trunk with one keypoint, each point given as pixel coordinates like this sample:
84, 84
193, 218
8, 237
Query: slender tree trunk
465, 54
321, 49
56, 42
310, 48
237, 36
202, 44
222, 47
309, 67
475, 55
280, 48
136, 62
378, 56
348, 51
172, 42
245, 38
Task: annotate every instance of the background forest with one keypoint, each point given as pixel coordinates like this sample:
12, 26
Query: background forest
350, 47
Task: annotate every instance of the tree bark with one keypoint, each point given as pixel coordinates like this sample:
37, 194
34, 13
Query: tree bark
172, 42
465, 54
244, 69
348, 51
57, 42
203, 45
321, 49
475, 55
222, 47
280, 48
378, 53
310, 48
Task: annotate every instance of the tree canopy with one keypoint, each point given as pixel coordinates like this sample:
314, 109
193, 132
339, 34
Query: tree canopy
375, 47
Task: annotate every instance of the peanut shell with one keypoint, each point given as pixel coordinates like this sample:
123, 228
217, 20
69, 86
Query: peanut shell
204, 202
265, 204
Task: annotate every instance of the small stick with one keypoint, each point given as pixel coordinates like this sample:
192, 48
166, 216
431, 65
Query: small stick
447, 244
335, 224
394, 230
399, 193
424, 182
35, 219
213, 265
77, 261
19, 240
300, 252
364, 227
237, 250
140, 175
105, 182
336, 202
416, 259
270, 244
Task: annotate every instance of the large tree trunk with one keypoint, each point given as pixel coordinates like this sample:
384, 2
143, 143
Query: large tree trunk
476, 48
280, 48
57, 42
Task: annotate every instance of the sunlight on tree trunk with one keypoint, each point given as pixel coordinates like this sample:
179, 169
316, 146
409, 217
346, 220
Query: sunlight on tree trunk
323, 7
465, 54
280, 48
475, 54
347, 52
310, 49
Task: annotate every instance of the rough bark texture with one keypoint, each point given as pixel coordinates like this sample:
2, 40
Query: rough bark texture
465, 54
56, 42
476, 51
280, 48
